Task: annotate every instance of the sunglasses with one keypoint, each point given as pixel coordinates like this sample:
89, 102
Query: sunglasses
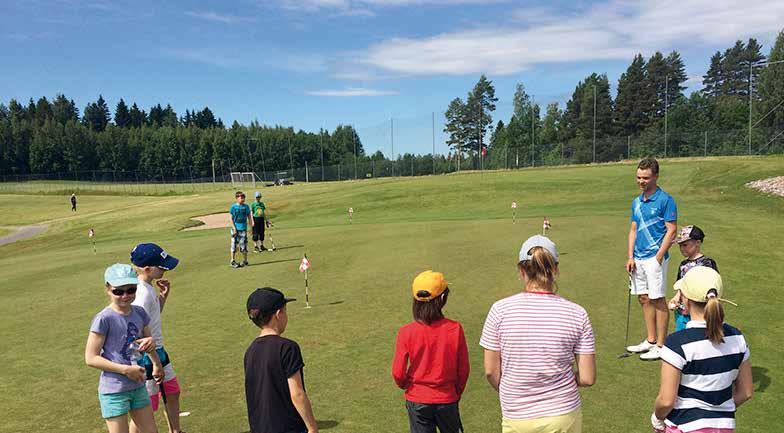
120, 292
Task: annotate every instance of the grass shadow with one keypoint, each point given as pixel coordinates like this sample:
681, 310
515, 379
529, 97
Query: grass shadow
273, 261
760, 378
325, 424
288, 247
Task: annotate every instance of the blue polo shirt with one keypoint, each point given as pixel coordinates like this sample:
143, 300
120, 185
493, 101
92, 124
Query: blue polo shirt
650, 215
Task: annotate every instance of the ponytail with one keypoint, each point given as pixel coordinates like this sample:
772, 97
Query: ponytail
541, 269
714, 319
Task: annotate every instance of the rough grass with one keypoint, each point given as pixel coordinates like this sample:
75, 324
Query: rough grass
51, 286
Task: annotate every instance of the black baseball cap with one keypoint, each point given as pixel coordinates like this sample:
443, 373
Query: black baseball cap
267, 300
690, 233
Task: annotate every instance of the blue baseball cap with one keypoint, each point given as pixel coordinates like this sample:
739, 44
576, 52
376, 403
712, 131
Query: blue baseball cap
152, 255
258, 194
120, 274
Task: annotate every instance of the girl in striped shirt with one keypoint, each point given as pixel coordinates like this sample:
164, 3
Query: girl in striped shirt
706, 373
533, 341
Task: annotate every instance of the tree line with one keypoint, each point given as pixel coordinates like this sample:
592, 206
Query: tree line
647, 92
46, 136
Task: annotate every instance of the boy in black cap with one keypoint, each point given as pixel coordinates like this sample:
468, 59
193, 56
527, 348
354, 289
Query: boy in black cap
274, 384
689, 240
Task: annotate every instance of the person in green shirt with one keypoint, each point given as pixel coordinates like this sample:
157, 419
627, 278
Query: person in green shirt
259, 212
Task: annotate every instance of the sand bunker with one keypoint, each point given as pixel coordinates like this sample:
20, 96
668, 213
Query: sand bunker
20, 233
214, 221
773, 185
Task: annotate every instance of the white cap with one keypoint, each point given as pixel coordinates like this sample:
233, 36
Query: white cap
538, 241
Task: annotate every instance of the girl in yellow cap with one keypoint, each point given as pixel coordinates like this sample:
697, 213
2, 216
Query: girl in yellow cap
431, 359
706, 373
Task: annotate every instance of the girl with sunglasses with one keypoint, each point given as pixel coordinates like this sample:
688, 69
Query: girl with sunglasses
118, 335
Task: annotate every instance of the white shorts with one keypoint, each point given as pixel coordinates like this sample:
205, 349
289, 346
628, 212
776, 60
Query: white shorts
650, 278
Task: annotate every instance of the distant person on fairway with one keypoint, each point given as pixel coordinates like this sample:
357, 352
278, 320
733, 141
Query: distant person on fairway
240, 219
118, 336
274, 383
706, 373
431, 360
689, 240
73, 202
151, 263
259, 211
539, 348
653, 225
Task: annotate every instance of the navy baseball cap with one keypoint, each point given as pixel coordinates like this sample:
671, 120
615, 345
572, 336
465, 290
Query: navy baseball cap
152, 255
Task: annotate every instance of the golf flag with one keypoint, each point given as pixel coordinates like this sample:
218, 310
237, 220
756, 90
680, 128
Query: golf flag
484, 151
91, 233
545, 225
304, 265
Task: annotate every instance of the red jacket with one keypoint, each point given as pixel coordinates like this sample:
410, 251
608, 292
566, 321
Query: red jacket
431, 362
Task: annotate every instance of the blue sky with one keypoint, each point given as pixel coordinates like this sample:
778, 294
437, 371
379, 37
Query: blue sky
310, 63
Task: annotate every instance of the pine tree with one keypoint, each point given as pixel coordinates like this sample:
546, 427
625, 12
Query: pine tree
751, 56
712, 80
122, 117
770, 89
64, 110
156, 116
676, 74
656, 73
137, 117
632, 105
733, 80
479, 104
96, 115
43, 110
455, 125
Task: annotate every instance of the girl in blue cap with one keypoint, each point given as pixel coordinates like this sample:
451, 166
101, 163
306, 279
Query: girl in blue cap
118, 335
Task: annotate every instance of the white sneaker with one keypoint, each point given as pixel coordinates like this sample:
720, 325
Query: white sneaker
652, 355
641, 348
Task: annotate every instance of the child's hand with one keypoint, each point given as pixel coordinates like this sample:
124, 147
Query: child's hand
157, 373
163, 287
135, 372
146, 344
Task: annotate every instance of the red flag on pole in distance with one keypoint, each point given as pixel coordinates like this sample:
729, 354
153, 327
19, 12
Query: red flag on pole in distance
304, 265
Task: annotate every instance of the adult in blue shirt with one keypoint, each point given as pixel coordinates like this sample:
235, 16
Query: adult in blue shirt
653, 225
240, 220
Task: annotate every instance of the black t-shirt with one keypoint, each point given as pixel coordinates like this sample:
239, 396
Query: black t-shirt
269, 362
699, 261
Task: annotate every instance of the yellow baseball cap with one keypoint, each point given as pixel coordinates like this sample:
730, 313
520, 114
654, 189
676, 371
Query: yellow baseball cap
698, 282
428, 285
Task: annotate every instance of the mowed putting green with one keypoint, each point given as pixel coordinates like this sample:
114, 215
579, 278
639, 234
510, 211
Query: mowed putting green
51, 286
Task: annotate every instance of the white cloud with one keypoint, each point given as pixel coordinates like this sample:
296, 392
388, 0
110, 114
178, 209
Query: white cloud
616, 29
352, 91
217, 17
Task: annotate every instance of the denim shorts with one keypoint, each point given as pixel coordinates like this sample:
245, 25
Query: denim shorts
120, 403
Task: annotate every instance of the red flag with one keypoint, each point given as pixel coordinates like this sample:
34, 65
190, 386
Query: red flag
304, 264
484, 151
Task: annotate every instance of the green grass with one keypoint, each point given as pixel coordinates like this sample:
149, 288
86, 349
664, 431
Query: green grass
51, 286
5, 231
65, 188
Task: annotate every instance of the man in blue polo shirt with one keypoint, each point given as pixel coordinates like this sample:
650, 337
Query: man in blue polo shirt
653, 226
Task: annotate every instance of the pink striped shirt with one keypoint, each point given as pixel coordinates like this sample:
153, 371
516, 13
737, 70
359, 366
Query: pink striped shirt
538, 336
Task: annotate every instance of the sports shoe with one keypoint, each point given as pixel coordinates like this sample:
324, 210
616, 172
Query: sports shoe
244, 263
652, 355
263, 248
256, 249
234, 264
641, 348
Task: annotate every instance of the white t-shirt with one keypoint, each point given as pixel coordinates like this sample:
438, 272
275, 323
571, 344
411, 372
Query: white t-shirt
147, 298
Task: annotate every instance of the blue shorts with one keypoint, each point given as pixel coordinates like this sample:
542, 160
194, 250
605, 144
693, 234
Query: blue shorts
120, 403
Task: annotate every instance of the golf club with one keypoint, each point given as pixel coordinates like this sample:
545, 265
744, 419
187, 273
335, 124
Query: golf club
626, 354
272, 241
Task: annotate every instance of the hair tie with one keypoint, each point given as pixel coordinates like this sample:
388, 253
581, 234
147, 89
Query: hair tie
711, 295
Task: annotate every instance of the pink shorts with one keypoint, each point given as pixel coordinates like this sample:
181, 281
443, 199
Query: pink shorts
702, 430
170, 387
